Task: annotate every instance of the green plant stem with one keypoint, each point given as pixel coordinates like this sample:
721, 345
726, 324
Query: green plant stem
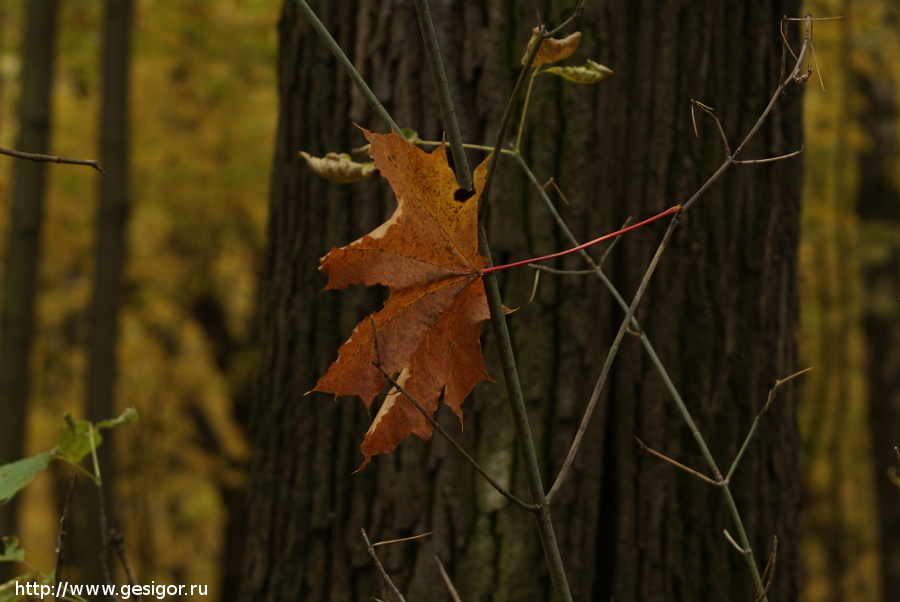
342, 58
504, 127
495, 304
518, 147
104, 547
523, 432
479, 147
433, 51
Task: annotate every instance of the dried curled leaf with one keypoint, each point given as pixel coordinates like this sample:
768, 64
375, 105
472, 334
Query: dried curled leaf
589, 73
338, 167
552, 50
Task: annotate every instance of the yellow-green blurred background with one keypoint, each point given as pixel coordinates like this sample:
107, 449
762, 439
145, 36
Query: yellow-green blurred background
204, 112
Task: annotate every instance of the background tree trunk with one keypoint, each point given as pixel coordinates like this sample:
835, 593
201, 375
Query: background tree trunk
24, 237
878, 207
109, 258
721, 312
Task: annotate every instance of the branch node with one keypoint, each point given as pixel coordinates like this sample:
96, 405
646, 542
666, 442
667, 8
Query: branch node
737, 547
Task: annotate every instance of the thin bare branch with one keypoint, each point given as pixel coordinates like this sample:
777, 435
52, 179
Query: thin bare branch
607, 365
453, 593
557, 189
770, 159
677, 464
537, 279
118, 541
737, 547
390, 541
543, 268
64, 529
39, 158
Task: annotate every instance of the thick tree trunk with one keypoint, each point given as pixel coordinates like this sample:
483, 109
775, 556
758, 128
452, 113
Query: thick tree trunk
721, 312
24, 236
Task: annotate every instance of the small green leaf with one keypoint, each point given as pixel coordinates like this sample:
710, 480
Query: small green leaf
35, 579
11, 550
410, 134
74, 442
17, 475
129, 416
589, 73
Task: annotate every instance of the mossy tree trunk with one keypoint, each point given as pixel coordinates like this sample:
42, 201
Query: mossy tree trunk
721, 312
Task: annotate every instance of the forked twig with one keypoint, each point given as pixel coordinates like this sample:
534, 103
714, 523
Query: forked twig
809, 20
756, 420
709, 111
677, 464
769, 572
384, 575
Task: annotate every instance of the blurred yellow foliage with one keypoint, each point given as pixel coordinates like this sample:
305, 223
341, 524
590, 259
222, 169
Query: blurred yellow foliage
203, 113
840, 554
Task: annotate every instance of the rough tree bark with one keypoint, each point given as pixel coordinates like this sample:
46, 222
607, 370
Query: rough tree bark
721, 311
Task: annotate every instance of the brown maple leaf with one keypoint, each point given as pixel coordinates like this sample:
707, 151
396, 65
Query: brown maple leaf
428, 331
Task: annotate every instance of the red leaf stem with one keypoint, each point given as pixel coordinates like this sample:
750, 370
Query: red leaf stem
669, 211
